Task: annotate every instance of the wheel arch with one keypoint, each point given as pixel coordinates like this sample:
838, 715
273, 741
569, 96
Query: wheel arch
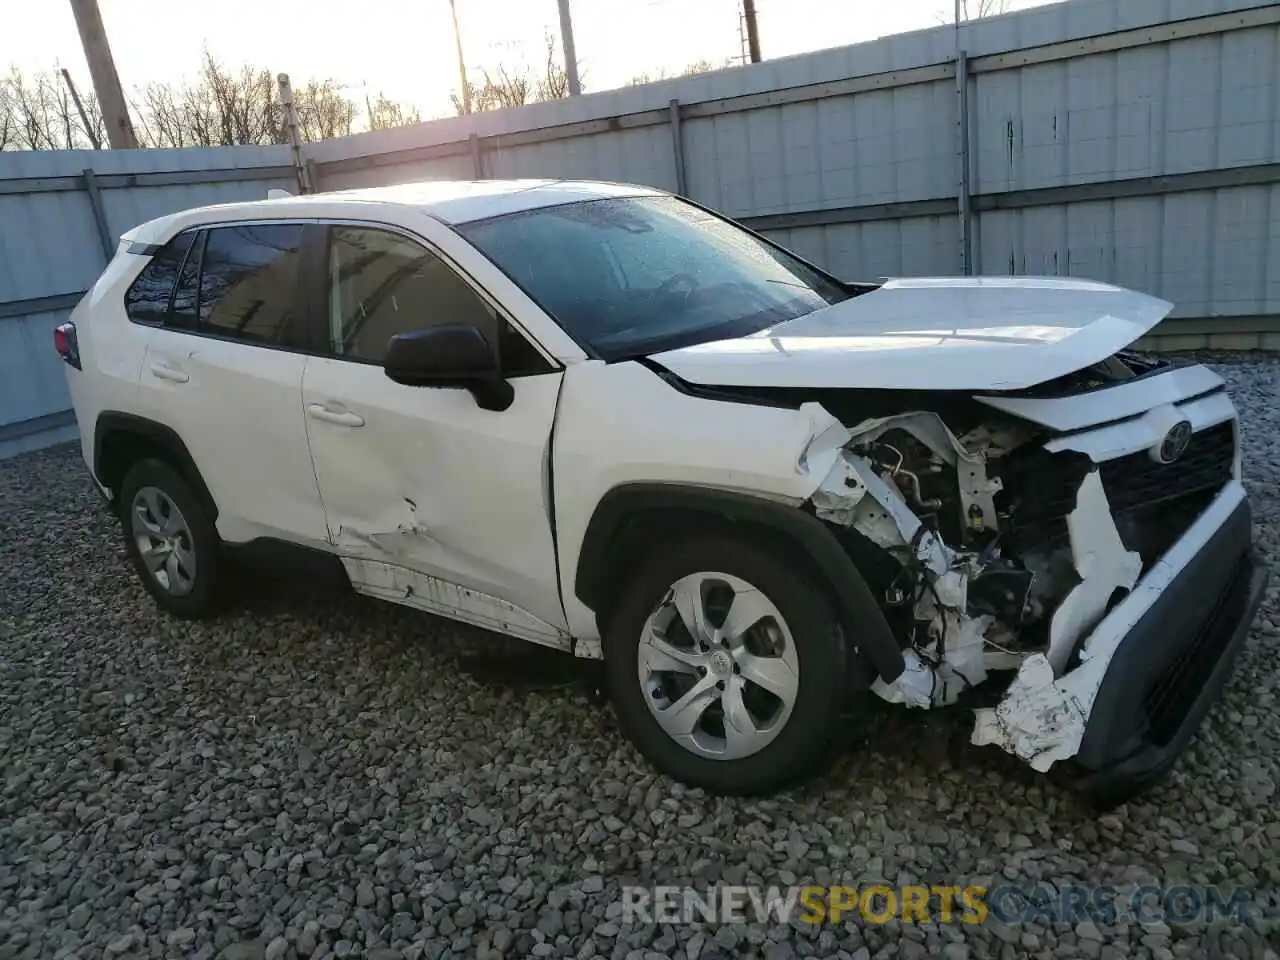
122, 439
632, 519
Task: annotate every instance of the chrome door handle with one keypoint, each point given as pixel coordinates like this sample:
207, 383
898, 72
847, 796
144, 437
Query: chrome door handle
166, 372
343, 418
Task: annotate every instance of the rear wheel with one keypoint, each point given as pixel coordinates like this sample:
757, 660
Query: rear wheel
725, 666
170, 539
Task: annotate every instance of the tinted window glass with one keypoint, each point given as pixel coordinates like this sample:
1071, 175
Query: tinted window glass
147, 299
639, 275
381, 284
517, 357
249, 283
182, 315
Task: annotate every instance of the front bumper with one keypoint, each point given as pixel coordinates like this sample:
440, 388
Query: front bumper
1148, 671
1172, 664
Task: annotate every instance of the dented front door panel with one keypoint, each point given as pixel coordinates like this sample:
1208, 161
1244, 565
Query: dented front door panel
435, 502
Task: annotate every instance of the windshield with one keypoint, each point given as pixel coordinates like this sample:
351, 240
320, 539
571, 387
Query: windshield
637, 275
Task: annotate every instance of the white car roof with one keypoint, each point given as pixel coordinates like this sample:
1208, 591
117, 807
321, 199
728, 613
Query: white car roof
452, 201
462, 201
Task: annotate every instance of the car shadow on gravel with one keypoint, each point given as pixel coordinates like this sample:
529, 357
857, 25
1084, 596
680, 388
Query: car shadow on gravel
405, 654
925, 744
387, 636
879, 740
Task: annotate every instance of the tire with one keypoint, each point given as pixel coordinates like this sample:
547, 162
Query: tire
159, 507
791, 736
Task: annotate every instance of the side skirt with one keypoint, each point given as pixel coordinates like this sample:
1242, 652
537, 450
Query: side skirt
388, 581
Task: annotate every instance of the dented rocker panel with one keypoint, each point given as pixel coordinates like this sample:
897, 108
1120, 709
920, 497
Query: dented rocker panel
412, 588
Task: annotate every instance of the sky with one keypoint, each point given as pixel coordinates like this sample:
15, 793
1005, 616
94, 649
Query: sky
404, 48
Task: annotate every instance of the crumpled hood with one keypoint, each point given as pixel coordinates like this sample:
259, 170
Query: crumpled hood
982, 333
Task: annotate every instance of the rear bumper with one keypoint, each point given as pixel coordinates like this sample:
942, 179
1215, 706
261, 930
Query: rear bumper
1172, 664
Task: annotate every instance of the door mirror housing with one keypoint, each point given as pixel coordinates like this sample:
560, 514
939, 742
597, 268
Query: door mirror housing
453, 355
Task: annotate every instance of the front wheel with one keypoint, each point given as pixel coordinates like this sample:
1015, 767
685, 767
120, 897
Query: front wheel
725, 666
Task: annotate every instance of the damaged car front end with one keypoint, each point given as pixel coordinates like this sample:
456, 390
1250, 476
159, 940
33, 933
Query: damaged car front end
1072, 560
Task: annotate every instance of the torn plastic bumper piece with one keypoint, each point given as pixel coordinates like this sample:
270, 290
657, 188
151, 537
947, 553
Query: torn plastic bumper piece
1172, 666
1149, 670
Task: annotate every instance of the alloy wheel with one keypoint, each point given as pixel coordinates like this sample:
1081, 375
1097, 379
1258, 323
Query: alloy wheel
718, 666
164, 542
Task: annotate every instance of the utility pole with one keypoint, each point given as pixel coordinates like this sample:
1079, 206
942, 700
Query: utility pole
293, 130
570, 55
462, 64
106, 83
753, 29
84, 116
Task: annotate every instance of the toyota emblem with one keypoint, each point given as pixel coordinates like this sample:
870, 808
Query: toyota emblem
1175, 442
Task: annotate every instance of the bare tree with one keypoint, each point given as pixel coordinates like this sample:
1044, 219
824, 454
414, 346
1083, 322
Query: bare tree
975, 10
689, 70
382, 113
554, 82
462, 106
323, 111
159, 118
38, 113
246, 108
8, 117
516, 84
506, 87
222, 107
96, 120
8, 122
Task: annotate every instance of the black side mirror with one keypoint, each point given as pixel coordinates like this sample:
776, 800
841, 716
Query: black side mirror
454, 355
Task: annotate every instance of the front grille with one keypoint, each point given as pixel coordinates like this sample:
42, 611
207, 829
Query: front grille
1138, 481
1153, 503
1169, 699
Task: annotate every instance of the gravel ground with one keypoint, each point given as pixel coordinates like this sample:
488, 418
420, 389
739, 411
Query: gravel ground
317, 774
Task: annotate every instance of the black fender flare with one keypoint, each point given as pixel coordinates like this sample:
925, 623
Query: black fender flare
164, 438
597, 560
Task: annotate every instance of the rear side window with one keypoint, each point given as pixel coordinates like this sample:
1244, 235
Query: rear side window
249, 284
147, 299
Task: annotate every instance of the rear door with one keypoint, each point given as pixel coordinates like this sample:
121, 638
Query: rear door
433, 501
224, 370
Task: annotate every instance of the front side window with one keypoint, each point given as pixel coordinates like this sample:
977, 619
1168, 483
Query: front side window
147, 299
249, 284
382, 284
637, 275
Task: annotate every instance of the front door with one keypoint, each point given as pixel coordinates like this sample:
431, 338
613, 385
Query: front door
431, 500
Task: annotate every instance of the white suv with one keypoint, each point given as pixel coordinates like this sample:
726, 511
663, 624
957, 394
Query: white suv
607, 420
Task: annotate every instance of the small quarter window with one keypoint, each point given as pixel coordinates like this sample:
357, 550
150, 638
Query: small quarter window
147, 299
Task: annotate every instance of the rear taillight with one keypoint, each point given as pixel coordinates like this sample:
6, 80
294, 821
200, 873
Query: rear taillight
66, 343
